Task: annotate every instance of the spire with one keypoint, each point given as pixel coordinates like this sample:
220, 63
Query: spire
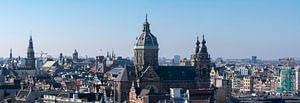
203, 40
146, 18
30, 51
60, 55
203, 46
30, 60
197, 45
30, 42
10, 54
113, 54
146, 25
107, 54
75, 51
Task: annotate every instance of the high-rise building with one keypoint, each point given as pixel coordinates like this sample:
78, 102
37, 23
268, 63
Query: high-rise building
30, 60
254, 59
176, 60
297, 79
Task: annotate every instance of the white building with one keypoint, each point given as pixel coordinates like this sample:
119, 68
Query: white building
243, 71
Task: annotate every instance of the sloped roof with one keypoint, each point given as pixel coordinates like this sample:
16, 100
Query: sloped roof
49, 64
23, 94
176, 72
5, 71
122, 76
64, 95
116, 70
90, 97
147, 39
127, 74
165, 73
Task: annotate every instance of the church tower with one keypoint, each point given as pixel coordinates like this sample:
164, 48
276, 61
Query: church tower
201, 60
10, 54
30, 60
75, 56
194, 56
145, 49
204, 61
11, 60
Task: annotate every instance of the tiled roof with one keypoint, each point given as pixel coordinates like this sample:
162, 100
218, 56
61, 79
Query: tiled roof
126, 74
49, 64
23, 94
176, 72
193, 91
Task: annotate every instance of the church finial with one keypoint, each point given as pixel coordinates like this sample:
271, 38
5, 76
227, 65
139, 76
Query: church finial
30, 38
30, 35
197, 42
203, 40
146, 17
75, 51
203, 46
197, 45
146, 25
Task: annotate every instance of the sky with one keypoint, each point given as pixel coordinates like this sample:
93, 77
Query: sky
232, 28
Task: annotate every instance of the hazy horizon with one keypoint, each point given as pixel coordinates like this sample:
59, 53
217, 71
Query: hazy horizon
233, 29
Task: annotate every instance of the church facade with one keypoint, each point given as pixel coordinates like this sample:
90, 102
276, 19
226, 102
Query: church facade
152, 82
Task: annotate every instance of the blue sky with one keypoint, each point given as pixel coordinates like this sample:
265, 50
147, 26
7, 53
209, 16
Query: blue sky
233, 28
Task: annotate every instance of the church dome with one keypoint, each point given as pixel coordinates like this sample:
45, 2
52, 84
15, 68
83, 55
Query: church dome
146, 39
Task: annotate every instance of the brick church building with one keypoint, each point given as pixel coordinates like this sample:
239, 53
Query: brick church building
147, 82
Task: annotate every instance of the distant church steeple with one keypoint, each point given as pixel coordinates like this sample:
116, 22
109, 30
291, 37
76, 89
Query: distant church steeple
11, 60
30, 60
194, 56
10, 54
197, 45
75, 56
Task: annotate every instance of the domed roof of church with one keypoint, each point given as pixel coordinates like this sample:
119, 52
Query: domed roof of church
146, 39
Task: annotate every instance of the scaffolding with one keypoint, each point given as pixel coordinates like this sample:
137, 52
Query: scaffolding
286, 81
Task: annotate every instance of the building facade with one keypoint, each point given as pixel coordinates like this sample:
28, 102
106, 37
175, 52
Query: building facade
151, 81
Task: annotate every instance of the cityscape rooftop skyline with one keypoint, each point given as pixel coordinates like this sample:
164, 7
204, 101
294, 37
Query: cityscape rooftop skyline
265, 29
